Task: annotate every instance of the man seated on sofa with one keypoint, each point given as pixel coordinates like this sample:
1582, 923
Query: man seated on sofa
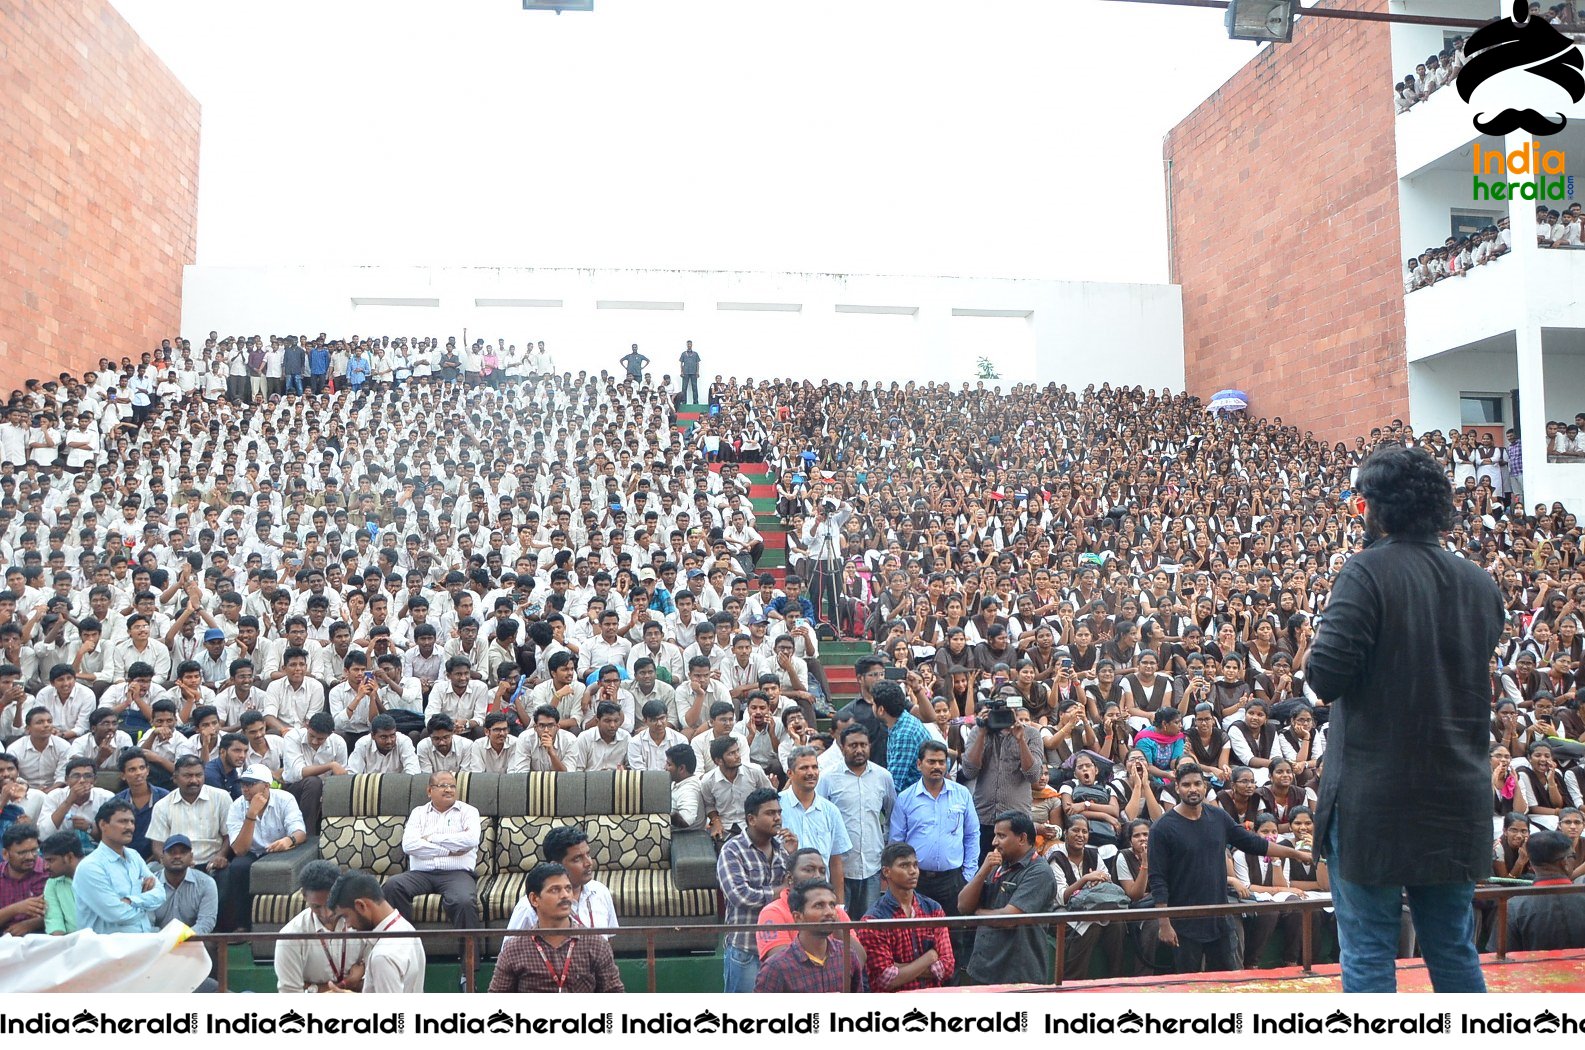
592, 904
441, 841
262, 821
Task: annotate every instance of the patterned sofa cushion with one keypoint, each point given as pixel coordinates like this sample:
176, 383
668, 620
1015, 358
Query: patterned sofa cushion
627, 792
429, 910
371, 844
519, 841
541, 794
498, 895
274, 910
638, 842
652, 894
373, 794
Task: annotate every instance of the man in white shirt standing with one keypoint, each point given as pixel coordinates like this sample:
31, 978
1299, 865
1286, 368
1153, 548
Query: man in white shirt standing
394, 964
441, 841
324, 964
592, 904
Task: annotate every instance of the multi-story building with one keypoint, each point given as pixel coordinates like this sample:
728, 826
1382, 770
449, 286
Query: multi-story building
1297, 194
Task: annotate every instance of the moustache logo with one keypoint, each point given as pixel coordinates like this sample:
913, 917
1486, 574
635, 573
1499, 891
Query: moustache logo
1530, 44
1515, 119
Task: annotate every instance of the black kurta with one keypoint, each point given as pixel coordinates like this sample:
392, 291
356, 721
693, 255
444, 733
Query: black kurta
1402, 654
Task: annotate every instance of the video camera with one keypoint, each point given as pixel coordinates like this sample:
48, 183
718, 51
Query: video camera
995, 716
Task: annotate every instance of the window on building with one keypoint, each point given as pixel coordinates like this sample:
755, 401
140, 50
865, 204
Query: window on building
1467, 221
1481, 410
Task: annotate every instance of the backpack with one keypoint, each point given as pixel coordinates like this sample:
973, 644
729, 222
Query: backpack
1100, 896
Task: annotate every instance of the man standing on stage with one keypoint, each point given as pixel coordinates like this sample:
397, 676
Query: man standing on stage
1404, 647
1188, 868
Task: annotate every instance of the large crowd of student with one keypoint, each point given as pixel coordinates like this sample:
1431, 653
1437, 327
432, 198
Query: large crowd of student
236, 570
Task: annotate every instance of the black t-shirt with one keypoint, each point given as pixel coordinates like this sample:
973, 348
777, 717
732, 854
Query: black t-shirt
1188, 864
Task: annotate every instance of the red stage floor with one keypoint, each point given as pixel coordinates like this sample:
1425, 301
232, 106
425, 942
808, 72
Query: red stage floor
1519, 972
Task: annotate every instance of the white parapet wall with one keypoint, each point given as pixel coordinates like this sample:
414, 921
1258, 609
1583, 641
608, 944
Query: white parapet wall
804, 325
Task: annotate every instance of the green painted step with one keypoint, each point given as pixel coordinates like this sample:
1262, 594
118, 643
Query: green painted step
848, 651
763, 502
773, 558
698, 409
673, 973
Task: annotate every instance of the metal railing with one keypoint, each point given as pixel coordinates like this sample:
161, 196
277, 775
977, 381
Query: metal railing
1059, 920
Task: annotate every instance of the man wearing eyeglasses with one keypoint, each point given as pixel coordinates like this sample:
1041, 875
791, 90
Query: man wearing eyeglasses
441, 841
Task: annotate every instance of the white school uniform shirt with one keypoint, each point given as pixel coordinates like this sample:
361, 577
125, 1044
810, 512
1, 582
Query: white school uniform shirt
367, 758
300, 754
592, 753
41, 768
299, 964
293, 706
459, 760
395, 964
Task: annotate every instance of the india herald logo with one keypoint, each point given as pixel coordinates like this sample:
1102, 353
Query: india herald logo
1521, 42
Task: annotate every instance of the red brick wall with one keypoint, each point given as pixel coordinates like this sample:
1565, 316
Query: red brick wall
1284, 223
98, 189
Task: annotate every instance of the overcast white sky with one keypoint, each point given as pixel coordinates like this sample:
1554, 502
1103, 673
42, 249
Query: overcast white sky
1013, 138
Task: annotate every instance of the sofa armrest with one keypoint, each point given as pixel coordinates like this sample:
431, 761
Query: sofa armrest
276, 873
693, 860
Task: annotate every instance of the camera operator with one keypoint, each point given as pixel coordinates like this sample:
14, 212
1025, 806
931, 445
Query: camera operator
1001, 762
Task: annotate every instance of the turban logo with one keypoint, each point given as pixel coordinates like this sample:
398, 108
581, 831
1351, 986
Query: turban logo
1527, 43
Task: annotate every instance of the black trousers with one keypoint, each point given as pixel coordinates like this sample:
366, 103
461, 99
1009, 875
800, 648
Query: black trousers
823, 580
690, 383
308, 792
1221, 954
236, 895
457, 891
943, 887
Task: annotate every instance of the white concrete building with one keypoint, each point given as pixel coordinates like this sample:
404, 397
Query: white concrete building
837, 326
1514, 328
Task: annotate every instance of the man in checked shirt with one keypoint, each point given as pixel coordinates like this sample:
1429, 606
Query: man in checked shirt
751, 869
905, 960
553, 957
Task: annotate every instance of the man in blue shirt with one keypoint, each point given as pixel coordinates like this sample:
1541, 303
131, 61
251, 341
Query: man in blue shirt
223, 771
936, 816
113, 888
138, 791
318, 367
816, 821
358, 369
794, 597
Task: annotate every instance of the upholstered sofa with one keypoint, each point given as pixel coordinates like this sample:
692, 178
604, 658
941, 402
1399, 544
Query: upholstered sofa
657, 876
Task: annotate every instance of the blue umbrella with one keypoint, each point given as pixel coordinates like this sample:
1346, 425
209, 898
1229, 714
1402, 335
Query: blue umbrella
1228, 401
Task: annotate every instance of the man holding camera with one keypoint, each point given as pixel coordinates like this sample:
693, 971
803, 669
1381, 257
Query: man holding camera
1001, 763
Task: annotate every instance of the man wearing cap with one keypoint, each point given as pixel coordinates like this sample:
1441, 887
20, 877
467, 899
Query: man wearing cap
262, 821
190, 894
